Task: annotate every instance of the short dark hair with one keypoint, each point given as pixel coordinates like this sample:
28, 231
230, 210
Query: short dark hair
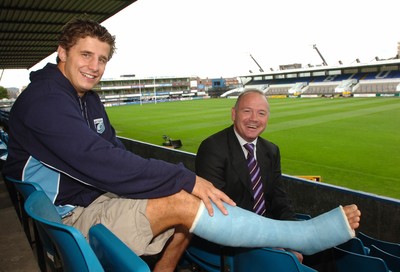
79, 28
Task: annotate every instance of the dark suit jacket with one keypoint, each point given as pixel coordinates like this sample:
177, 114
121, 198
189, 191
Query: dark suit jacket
220, 159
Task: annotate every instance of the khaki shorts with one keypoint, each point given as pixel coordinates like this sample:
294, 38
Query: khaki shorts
126, 218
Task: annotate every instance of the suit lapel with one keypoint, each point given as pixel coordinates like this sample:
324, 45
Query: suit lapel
262, 159
238, 159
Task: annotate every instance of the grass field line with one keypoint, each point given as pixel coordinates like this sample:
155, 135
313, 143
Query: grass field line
285, 125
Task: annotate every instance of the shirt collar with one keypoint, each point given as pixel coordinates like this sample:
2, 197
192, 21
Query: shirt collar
243, 142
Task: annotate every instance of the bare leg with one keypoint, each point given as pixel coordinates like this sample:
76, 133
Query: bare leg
167, 212
173, 250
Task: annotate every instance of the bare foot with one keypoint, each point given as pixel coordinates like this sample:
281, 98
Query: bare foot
353, 215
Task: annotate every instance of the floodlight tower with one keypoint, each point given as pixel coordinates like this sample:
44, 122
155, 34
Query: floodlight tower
319, 53
261, 69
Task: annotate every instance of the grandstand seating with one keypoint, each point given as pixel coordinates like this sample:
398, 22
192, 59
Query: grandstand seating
75, 252
209, 256
387, 86
24, 190
355, 245
3, 145
370, 249
392, 261
387, 82
322, 88
215, 258
268, 259
44, 255
112, 253
347, 261
392, 248
278, 89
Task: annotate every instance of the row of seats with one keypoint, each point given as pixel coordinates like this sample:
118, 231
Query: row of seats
327, 79
328, 88
214, 258
365, 253
63, 248
371, 87
322, 85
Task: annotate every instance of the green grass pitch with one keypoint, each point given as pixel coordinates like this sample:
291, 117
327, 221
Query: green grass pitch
350, 142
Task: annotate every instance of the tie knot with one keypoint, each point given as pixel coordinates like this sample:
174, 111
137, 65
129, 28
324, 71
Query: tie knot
250, 147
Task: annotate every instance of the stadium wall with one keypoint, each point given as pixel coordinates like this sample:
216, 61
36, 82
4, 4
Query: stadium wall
379, 214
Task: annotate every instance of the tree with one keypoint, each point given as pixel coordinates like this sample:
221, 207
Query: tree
3, 92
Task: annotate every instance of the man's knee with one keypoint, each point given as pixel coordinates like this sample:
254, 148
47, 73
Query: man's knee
170, 211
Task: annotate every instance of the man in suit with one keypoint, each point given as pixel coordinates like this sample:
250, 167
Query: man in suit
221, 158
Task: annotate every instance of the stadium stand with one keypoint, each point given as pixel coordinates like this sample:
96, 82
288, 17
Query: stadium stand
46, 257
347, 261
392, 261
391, 248
370, 83
381, 86
278, 89
74, 250
215, 258
355, 245
379, 79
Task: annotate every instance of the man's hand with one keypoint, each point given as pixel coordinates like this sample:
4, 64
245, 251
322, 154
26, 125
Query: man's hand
206, 191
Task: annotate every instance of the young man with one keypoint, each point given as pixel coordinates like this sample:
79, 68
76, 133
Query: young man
61, 138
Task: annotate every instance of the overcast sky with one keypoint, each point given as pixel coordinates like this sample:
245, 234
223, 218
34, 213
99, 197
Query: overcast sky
214, 38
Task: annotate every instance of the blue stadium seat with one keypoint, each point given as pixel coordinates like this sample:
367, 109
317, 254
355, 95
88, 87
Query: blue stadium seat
208, 256
268, 259
73, 249
355, 245
113, 254
25, 189
392, 261
3, 145
105, 252
214, 258
392, 248
347, 261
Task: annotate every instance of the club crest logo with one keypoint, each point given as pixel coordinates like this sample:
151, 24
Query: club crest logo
99, 125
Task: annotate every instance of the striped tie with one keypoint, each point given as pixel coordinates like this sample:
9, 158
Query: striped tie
255, 176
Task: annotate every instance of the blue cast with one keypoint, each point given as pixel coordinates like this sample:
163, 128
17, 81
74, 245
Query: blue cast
242, 228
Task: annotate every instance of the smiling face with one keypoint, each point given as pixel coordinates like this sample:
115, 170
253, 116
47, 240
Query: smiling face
250, 115
84, 63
